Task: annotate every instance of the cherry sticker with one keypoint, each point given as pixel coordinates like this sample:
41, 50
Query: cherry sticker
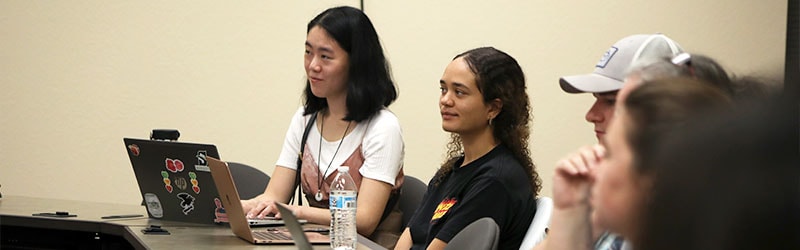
171, 165
178, 165
174, 165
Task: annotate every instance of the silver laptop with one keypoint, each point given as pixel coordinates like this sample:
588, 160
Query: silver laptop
293, 232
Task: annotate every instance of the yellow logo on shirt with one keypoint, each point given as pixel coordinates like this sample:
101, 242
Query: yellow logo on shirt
442, 208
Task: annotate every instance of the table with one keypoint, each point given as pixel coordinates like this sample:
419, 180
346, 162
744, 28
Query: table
88, 231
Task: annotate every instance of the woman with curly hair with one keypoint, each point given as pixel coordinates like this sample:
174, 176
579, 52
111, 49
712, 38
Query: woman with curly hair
488, 171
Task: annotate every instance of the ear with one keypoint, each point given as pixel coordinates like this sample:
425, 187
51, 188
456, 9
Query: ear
495, 106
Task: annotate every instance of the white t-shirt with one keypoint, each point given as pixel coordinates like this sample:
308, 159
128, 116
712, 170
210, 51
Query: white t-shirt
380, 137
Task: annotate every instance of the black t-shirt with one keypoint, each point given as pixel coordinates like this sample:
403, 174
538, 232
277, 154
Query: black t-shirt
494, 185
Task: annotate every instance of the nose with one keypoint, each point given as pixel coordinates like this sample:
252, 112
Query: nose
445, 100
595, 115
314, 65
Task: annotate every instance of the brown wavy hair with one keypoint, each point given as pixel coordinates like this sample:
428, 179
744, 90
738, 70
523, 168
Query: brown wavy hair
499, 76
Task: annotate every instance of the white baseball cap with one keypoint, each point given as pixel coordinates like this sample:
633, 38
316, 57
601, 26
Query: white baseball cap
609, 73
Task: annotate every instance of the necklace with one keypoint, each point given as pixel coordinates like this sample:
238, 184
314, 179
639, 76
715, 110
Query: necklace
318, 196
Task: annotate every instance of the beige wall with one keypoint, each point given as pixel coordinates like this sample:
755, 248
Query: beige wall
77, 76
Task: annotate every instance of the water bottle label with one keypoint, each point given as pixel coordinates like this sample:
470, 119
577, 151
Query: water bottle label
350, 202
342, 201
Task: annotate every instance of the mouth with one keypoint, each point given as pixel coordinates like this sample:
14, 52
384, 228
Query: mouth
600, 135
448, 115
314, 79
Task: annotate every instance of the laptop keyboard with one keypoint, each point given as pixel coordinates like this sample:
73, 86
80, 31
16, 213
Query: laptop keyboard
271, 235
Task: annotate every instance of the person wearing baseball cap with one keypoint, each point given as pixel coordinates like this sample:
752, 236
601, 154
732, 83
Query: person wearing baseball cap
609, 74
570, 221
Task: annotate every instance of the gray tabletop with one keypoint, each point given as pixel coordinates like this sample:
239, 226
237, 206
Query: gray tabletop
18, 211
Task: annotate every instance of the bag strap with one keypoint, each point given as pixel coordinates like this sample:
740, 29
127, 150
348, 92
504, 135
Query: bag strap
297, 187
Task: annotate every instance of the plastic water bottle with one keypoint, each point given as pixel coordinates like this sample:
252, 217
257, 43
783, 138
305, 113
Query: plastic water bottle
343, 211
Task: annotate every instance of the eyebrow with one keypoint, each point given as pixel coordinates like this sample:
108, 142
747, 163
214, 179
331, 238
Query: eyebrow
322, 48
458, 84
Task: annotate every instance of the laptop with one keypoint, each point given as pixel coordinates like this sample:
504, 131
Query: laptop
176, 183
292, 233
174, 179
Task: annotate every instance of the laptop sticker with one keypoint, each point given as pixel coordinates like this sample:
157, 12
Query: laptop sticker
167, 182
195, 183
134, 149
175, 165
219, 212
187, 202
202, 163
153, 205
181, 183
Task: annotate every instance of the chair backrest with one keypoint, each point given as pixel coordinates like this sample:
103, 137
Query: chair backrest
480, 234
250, 182
410, 197
541, 220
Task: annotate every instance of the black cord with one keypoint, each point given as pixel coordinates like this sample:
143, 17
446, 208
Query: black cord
362, 5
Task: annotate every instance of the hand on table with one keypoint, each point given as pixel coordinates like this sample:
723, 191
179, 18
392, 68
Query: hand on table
256, 209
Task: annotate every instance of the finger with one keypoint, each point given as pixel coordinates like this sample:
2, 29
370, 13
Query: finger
267, 211
250, 212
274, 211
579, 164
599, 151
588, 157
257, 209
246, 206
563, 168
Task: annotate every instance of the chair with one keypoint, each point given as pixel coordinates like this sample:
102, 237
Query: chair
250, 182
480, 234
410, 197
541, 220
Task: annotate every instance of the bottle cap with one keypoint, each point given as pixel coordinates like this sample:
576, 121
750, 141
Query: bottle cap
343, 169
